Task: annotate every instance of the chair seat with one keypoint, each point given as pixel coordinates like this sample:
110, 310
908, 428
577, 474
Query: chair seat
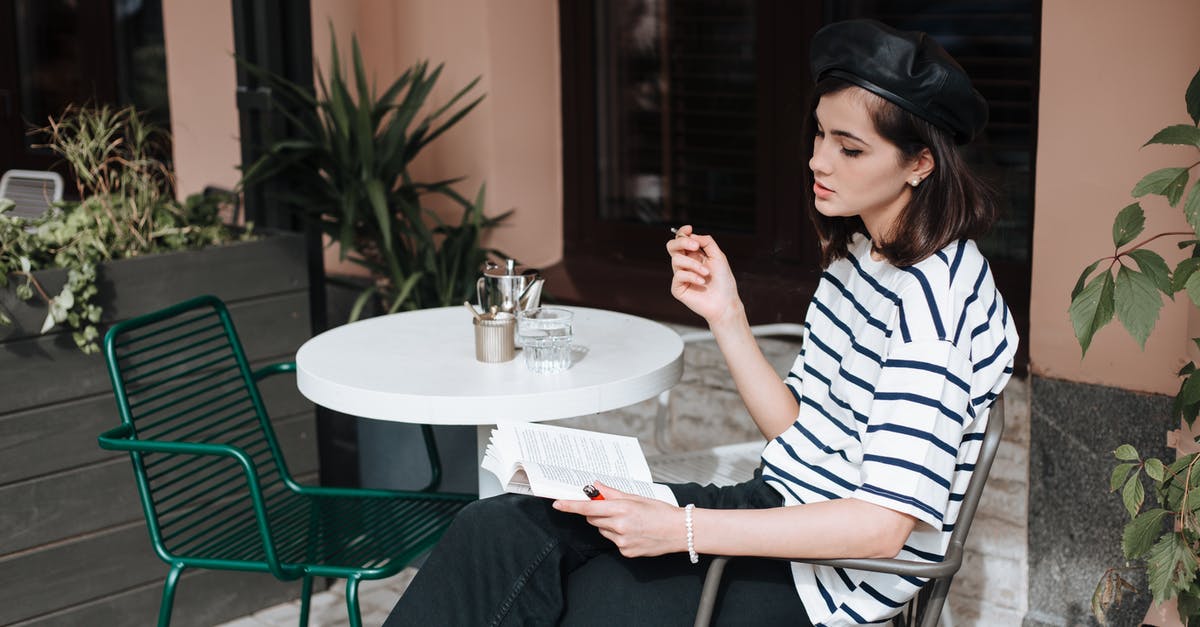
720, 465
327, 535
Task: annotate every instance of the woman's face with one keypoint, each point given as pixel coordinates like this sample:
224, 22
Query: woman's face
856, 172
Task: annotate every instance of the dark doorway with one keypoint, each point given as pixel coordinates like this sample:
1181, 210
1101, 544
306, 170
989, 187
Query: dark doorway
61, 52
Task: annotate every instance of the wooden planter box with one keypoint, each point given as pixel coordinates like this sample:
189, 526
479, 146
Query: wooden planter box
74, 549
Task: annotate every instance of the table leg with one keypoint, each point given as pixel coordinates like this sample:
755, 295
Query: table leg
489, 485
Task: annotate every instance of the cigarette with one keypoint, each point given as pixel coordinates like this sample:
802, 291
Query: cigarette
675, 232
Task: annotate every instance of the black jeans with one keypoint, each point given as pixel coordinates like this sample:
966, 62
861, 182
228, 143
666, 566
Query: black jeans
513, 560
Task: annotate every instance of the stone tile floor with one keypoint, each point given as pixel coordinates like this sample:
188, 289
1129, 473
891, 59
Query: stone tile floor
328, 609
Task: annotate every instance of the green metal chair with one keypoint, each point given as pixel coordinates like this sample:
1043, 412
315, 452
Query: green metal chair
213, 483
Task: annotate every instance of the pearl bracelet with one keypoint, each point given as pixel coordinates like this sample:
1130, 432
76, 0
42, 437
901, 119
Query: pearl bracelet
691, 536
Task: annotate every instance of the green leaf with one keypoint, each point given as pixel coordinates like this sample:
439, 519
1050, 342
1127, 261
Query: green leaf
1189, 393
1192, 98
1154, 469
1177, 135
1153, 266
1092, 308
1084, 275
1170, 566
1133, 495
1138, 302
1120, 472
1183, 272
1126, 453
1167, 182
1129, 223
1193, 288
1191, 208
1141, 532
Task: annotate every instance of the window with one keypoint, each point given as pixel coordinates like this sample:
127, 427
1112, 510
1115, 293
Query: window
690, 111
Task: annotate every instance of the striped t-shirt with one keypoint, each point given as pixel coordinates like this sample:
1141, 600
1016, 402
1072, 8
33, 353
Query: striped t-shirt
897, 375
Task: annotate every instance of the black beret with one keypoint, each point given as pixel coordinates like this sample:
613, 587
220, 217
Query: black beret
907, 68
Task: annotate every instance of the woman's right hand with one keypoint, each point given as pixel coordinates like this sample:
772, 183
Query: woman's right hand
702, 278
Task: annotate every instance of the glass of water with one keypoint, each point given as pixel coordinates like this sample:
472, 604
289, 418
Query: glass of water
544, 334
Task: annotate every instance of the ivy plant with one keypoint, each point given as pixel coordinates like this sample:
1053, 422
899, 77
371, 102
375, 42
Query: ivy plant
1163, 533
126, 208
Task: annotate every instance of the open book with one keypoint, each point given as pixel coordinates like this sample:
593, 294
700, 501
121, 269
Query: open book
556, 462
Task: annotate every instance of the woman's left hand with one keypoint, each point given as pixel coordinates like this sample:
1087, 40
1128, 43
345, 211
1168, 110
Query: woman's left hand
640, 527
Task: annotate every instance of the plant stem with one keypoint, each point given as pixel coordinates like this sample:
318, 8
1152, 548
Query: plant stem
1115, 256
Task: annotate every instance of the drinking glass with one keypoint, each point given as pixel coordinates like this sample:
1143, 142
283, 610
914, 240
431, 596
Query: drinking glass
544, 334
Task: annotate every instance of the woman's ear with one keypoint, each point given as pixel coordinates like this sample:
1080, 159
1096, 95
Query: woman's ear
923, 165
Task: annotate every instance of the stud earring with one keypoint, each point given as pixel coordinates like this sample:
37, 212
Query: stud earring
916, 181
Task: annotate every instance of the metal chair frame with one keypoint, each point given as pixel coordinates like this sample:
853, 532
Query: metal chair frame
214, 486
926, 609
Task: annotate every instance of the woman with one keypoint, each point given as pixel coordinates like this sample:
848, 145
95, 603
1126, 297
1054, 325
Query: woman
872, 436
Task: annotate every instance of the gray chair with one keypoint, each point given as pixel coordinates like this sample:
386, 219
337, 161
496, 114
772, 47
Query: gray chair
926, 609
32, 191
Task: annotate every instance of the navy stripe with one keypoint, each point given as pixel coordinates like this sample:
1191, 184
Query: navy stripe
907, 465
825, 595
916, 581
983, 399
990, 358
783, 485
841, 572
916, 433
925, 555
852, 614
854, 302
941, 255
958, 255
807, 486
933, 308
870, 389
815, 469
969, 467
907, 500
879, 596
904, 325
972, 436
948, 528
872, 282
859, 416
818, 443
795, 393
920, 400
921, 365
967, 304
845, 329
821, 410
954, 496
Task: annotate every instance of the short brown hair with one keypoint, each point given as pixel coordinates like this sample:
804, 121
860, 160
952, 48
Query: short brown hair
952, 203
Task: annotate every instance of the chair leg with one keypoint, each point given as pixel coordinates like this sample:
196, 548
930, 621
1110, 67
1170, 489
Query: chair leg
305, 598
168, 597
352, 602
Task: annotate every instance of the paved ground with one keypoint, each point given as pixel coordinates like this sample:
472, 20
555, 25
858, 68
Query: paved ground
328, 609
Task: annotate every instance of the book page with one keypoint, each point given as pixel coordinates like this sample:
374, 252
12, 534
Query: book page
598, 453
558, 482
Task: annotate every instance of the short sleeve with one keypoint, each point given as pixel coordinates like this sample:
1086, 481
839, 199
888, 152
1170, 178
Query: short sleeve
915, 427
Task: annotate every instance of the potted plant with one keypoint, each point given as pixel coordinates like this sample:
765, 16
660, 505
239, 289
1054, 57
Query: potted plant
351, 155
1164, 530
124, 247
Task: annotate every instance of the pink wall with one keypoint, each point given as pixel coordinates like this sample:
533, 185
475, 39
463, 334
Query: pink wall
201, 78
512, 140
1113, 73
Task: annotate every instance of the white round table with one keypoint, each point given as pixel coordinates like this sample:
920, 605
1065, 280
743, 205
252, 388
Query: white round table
420, 367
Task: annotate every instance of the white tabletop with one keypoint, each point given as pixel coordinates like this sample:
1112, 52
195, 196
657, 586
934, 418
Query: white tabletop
420, 366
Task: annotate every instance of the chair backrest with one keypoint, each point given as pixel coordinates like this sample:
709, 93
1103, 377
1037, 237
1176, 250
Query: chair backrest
32, 191
927, 609
931, 607
180, 376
